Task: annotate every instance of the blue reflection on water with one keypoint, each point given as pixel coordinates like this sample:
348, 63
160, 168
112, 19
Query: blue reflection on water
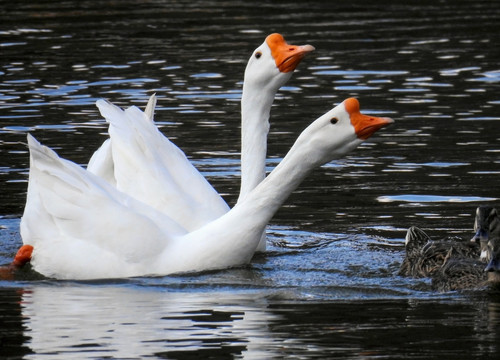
433, 198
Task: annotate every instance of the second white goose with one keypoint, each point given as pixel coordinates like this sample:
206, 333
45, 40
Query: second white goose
143, 163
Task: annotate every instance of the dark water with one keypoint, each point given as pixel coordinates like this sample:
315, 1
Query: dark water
328, 285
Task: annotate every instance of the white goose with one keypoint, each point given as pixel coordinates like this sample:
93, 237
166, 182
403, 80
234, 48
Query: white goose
86, 228
139, 154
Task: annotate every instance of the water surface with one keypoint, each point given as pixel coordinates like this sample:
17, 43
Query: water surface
328, 285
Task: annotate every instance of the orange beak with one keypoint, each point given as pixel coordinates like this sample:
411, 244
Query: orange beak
364, 125
286, 56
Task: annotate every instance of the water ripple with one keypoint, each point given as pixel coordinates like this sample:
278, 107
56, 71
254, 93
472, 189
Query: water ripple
361, 72
335, 247
413, 198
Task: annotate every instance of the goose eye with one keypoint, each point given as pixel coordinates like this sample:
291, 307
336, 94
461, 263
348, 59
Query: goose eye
258, 54
334, 120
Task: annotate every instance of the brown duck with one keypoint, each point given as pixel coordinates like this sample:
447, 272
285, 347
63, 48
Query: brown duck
459, 273
455, 264
424, 256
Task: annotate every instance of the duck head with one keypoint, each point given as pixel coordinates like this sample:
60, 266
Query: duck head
492, 248
486, 225
493, 267
415, 240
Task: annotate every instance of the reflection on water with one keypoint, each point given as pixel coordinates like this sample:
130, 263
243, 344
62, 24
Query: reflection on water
416, 199
125, 322
328, 283
120, 321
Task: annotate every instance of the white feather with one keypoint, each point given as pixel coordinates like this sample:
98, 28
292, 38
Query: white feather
82, 227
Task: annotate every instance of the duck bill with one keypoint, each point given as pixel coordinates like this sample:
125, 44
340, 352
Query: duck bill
493, 265
286, 56
480, 235
365, 125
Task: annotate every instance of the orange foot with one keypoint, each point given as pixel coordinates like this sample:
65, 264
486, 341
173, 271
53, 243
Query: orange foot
22, 257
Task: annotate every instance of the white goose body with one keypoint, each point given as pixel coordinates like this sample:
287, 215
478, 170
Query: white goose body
143, 163
86, 228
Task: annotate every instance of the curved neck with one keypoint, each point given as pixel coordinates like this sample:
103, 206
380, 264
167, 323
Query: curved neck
237, 233
270, 194
255, 110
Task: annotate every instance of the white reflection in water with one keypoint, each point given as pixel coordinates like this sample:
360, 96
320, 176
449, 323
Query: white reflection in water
123, 322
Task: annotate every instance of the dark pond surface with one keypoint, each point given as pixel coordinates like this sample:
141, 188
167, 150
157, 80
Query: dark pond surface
327, 286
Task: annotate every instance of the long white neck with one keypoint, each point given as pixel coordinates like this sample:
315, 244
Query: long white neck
263, 202
255, 110
232, 239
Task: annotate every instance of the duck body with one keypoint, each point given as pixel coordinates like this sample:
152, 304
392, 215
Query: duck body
465, 273
455, 264
83, 227
460, 273
424, 256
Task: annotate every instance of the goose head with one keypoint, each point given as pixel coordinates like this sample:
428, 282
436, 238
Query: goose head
272, 64
339, 131
486, 224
